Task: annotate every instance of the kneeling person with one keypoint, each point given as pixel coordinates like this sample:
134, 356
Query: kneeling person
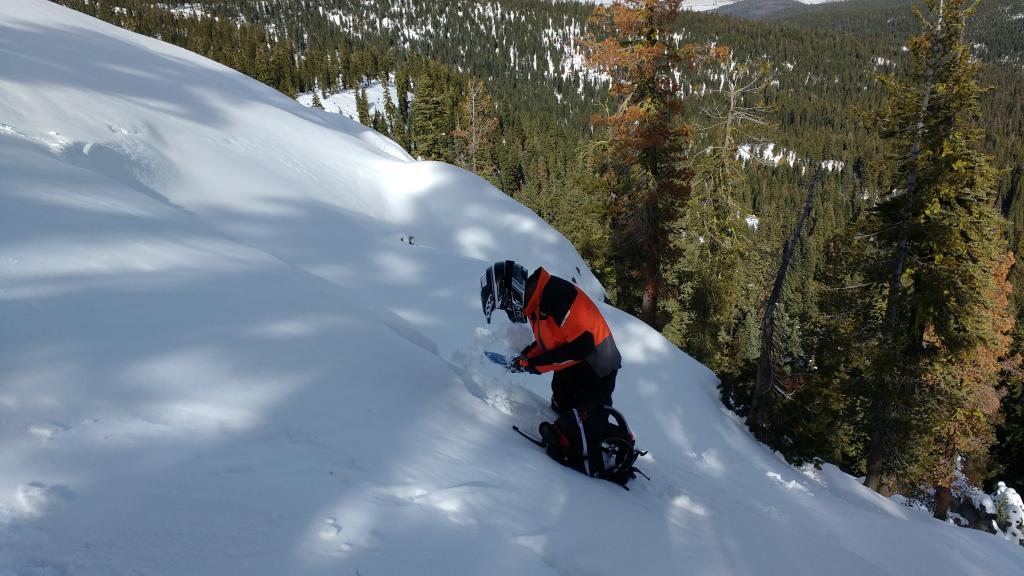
571, 338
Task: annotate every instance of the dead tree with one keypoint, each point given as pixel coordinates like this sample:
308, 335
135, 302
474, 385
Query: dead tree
757, 416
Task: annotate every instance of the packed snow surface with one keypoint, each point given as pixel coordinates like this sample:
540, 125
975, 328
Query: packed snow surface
241, 336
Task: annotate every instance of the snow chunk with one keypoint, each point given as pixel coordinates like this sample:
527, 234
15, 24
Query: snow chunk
1009, 513
791, 485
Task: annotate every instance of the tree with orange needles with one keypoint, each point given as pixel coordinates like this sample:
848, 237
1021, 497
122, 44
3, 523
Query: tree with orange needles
968, 394
632, 43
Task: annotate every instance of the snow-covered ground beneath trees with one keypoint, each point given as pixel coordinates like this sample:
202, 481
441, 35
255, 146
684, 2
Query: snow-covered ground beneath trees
706, 5
344, 101
220, 353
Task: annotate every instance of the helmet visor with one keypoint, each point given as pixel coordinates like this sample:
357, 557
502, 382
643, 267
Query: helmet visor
487, 296
514, 297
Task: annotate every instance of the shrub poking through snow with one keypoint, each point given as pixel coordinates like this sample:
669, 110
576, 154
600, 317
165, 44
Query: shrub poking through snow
1009, 520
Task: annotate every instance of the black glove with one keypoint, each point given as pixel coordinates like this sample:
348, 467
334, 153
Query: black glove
522, 364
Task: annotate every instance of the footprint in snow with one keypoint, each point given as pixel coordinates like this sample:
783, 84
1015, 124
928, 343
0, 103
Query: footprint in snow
47, 430
121, 131
330, 529
35, 497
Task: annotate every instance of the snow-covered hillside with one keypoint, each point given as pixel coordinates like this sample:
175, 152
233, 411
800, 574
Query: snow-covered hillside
241, 336
706, 5
344, 102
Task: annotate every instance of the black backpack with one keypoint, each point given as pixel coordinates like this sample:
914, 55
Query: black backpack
594, 440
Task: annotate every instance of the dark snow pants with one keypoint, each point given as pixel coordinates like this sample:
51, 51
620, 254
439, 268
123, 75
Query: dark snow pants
579, 385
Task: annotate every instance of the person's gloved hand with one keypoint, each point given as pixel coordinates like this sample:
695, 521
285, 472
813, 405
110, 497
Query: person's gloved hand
522, 364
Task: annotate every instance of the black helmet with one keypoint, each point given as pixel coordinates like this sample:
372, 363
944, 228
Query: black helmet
503, 286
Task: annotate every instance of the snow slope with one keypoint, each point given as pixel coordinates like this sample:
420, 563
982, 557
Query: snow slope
221, 354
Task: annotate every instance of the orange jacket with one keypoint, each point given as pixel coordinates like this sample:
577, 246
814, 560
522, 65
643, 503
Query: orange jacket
567, 328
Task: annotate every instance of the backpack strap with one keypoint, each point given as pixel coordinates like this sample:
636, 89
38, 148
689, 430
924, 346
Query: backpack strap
540, 442
621, 421
583, 442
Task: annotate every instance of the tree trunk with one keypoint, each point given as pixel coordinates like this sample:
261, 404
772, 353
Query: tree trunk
942, 487
652, 281
757, 417
943, 497
652, 244
876, 461
896, 280
873, 479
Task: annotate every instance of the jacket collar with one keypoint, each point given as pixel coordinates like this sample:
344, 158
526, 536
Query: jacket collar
540, 276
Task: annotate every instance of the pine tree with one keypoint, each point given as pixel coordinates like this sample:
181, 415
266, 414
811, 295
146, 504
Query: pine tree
478, 125
428, 116
402, 85
363, 107
719, 241
645, 139
392, 124
379, 123
402, 128
261, 66
966, 394
282, 66
942, 236
766, 382
316, 100
1009, 450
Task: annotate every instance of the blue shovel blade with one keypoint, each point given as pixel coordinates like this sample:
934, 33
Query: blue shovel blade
496, 358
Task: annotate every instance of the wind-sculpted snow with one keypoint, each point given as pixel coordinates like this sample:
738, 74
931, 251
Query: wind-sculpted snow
241, 336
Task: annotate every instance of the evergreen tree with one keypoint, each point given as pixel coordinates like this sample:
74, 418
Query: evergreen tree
379, 123
282, 64
402, 85
646, 140
429, 133
392, 123
363, 107
941, 237
718, 239
402, 128
478, 125
964, 395
261, 67
1009, 449
766, 382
